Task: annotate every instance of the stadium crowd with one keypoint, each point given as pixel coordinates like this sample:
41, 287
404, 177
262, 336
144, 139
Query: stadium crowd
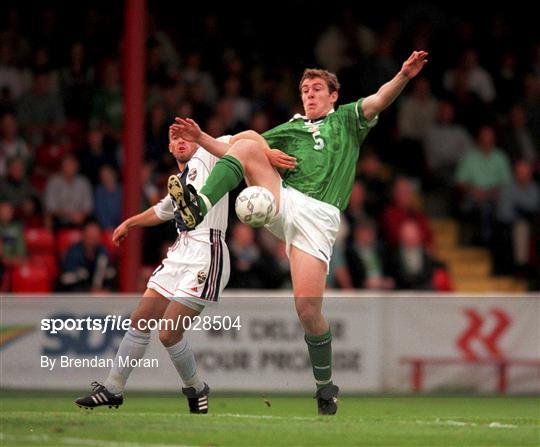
463, 141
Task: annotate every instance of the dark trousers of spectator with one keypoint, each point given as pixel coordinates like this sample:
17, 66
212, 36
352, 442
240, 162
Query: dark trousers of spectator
478, 222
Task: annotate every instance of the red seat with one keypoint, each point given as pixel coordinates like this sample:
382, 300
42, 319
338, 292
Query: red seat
30, 278
39, 241
66, 238
106, 240
47, 261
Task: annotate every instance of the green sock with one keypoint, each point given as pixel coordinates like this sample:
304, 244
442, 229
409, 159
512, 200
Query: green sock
320, 354
226, 175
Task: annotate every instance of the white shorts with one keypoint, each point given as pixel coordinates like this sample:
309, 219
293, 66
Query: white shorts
306, 223
195, 271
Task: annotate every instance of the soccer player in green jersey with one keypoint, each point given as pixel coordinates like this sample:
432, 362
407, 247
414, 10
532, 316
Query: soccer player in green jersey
318, 153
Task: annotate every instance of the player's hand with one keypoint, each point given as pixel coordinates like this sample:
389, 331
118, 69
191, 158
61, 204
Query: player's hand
412, 66
280, 159
120, 233
185, 128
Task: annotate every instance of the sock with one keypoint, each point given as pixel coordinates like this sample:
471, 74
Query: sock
320, 354
226, 175
133, 345
184, 361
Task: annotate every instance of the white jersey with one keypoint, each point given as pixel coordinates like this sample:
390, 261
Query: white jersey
195, 173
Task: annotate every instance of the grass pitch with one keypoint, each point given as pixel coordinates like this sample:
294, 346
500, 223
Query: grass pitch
51, 419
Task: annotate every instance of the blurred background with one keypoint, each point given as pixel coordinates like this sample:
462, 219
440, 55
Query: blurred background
446, 197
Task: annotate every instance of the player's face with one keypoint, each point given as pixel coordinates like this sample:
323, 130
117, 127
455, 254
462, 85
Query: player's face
316, 98
181, 149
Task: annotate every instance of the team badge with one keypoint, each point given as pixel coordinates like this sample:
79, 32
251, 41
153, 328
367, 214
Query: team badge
201, 277
192, 174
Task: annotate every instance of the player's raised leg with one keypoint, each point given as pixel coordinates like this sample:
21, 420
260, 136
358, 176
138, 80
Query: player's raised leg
308, 275
132, 346
245, 157
172, 337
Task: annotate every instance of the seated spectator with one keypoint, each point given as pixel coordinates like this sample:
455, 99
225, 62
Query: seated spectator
480, 176
86, 267
411, 267
68, 196
76, 79
106, 103
108, 199
157, 133
403, 208
445, 143
40, 109
518, 139
49, 156
251, 267
478, 79
356, 211
11, 236
15, 187
416, 114
99, 151
518, 214
11, 144
365, 258
370, 173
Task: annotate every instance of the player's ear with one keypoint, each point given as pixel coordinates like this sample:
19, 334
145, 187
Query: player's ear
334, 97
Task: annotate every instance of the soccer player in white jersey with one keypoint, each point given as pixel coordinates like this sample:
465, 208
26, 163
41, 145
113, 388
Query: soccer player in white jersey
192, 275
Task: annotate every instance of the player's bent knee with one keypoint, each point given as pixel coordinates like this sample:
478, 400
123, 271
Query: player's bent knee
169, 338
309, 316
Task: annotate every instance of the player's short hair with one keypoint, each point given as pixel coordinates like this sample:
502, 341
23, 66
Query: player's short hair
329, 77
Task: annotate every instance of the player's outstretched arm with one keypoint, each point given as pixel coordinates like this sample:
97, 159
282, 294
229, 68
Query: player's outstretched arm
376, 103
189, 130
147, 218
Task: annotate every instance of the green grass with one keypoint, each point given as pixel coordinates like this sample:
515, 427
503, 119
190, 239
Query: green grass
158, 420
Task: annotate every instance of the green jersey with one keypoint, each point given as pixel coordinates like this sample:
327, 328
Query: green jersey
326, 152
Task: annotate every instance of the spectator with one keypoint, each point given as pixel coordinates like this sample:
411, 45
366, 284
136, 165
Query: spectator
478, 80
241, 106
250, 265
411, 267
356, 211
76, 80
99, 151
157, 136
86, 266
371, 174
518, 212
518, 139
445, 143
13, 249
107, 101
40, 110
404, 208
12, 77
365, 258
108, 199
480, 175
11, 143
15, 187
417, 111
68, 196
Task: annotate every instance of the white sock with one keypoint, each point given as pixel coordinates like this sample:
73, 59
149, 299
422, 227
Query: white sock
184, 361
133, 345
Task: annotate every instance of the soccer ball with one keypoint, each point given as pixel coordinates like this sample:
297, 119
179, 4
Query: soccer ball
255, 206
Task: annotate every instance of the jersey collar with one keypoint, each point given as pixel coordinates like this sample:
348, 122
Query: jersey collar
315, 121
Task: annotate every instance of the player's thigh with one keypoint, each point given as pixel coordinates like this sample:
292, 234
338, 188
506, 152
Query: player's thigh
257, 168
151, 306
176, 318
